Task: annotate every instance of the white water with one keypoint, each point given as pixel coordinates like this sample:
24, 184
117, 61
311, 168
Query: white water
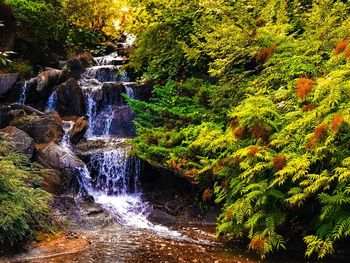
67, 127
51, 103
24, 91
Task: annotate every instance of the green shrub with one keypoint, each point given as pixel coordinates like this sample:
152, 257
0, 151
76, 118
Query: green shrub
24, 205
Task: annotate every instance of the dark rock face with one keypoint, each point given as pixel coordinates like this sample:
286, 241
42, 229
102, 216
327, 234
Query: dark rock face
6, 116
112, 93
47, 79
143, 91
8, 32
7, 82
43, 129
70, 99
75, 67
17, 140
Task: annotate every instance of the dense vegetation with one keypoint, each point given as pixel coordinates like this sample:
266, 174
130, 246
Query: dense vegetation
255, 108
24, 205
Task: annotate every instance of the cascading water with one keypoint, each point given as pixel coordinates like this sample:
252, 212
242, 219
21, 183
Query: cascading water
51, 103
112, 176
67, 127
24, 91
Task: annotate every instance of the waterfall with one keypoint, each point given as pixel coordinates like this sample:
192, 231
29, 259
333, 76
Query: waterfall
24, 91
67, 127
51, 103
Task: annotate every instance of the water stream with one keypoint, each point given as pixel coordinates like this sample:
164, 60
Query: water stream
111, 177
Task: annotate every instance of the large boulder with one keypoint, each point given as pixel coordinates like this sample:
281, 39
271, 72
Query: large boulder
59, 158
47, 79
75, 67
65, 164
17, 140
43, 128
7, 82
70, 98
7, 115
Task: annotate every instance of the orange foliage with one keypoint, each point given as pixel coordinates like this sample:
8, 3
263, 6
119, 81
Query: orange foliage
279, 162
309, 107
229, 215
265, 53
341, 46
207, 194
319, 132
253, 151
347, 53
260, 131
177, 165
239, 133
337, 122
257, 244
304, 87
191, 173
311, 143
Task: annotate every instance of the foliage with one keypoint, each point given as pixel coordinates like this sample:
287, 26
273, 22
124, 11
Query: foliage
35, 19
270, 135
23, 204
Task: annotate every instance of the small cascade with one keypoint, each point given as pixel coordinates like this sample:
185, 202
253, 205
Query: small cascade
130, 92
24, 91
103, 73
67, 127
51, 103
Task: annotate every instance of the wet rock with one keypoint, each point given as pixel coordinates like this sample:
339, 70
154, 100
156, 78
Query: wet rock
121, 124
17, 140
112, 93
7, 82
70, 99
58, 158
42, 128
75, 67
47, 79
79, 128
142, 91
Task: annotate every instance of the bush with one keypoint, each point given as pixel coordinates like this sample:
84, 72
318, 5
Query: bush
23, 204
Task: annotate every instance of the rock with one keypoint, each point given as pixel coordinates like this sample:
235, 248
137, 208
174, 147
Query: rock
110, 47
43, 129
75, 66
66, 162
79, 128
70, 99
112, 93
58, 158
53, 181
142, 91
7, 82
6, 116
47, 79
18, 140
